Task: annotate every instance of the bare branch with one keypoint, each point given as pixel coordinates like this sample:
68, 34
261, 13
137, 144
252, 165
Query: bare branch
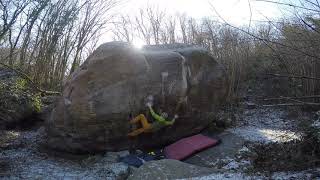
288, 4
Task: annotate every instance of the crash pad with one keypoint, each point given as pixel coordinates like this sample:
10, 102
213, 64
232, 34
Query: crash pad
189, 146
137, 160
132, 160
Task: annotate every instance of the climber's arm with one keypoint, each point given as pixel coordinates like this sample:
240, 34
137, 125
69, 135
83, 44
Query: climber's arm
160, 118
170, 122
156, 116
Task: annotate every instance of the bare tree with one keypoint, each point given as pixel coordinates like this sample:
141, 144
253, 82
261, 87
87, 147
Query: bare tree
143, 27
155, 16
93, 20
172, 30
10, 10
42, 39
123, 29
183, 28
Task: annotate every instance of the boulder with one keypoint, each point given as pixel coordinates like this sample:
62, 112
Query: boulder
169, 169
17, 100
112, 86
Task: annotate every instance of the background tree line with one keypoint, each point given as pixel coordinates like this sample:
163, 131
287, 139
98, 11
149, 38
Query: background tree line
286, 51
48, 39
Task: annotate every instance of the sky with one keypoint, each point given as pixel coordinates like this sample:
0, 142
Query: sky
236, 12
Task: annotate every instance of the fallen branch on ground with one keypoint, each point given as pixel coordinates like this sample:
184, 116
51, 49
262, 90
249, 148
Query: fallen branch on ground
302, 97
294, 76
298, 101
292, 104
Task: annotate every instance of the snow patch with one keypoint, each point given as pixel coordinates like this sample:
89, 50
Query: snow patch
263, 135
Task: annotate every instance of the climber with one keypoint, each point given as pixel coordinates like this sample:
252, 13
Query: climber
160, 122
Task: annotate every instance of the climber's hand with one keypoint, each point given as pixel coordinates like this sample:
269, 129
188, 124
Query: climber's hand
176, 116
149, 104
150, 98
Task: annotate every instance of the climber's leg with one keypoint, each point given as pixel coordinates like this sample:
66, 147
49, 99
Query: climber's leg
136, 132
137, 119
145, 124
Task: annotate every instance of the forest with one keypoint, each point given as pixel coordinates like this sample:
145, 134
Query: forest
267, 75
47, 40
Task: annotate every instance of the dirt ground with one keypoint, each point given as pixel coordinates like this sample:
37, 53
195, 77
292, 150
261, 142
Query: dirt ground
240, 154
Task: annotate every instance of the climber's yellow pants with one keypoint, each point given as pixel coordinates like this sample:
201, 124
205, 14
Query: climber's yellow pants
146, 126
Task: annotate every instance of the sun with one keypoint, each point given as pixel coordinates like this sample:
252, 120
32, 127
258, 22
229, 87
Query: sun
138, 43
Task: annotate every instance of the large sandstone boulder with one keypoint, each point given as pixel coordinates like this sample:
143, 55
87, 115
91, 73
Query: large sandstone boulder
112, 85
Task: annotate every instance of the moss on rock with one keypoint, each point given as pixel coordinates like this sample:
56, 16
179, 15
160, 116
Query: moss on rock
17, 99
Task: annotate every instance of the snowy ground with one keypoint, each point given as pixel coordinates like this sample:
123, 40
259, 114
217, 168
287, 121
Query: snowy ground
23, 160
267, 125
277, 176
20, 157
233, 157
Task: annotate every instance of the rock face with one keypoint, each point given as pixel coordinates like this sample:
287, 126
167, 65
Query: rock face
169, 169
17, 101
112, 86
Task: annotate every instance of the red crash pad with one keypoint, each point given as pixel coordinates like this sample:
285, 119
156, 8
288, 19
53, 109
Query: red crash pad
188, 146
